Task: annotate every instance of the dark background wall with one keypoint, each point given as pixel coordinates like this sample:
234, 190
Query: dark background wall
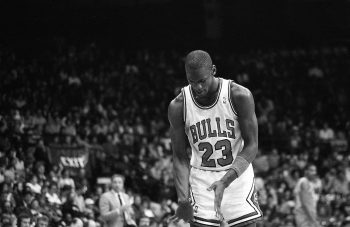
177, 23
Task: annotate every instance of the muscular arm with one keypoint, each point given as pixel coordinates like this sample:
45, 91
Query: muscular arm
243, 102
178, 137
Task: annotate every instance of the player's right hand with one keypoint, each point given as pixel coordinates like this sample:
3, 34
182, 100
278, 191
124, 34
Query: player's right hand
219, 188
184, 212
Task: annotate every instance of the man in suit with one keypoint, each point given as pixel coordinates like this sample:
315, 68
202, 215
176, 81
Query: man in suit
115, 205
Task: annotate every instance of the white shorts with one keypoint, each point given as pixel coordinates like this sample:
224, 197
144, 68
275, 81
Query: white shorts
239, 204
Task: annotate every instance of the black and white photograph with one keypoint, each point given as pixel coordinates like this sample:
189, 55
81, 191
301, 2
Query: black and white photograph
174, 113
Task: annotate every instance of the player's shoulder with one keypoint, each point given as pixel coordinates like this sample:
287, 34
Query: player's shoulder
177, 102
239, 91
175, 109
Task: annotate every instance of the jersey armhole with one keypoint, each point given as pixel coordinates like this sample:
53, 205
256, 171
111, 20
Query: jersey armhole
184, 104
229, 97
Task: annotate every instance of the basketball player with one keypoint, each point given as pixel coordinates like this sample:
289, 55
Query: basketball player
306, 198
217, 118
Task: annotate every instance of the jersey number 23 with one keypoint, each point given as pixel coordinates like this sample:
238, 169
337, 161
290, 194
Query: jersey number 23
222, 145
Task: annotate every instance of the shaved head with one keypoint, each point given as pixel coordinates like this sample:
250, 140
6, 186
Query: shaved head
200, 73
198, 59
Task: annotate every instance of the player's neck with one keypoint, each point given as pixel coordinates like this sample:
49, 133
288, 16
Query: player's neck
214, 89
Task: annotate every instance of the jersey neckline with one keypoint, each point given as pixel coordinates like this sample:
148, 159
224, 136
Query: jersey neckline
210, 106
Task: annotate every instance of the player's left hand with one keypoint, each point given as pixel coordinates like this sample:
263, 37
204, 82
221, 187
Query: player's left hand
219, 188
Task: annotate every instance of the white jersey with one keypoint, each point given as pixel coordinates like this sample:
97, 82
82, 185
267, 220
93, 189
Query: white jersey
213, 131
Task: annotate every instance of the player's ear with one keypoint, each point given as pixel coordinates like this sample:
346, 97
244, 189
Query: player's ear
213, 70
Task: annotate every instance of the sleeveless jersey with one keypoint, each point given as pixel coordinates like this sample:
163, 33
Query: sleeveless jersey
213, 131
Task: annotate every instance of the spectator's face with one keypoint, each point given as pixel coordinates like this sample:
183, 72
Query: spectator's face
35, 205
289, 224
6, 219
44, 189
35, 179
55, 168
28, 197
8, 179
8, 207
68, 139
53, 189
25, 222
99, 191
13, 153
311, 172
56, 139
347, 209
66, 173
41, 169
82, 172
68, 217
138, 200
117, 183
5, 189
43, 223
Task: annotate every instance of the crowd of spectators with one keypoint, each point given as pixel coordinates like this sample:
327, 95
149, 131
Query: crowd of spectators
114, 102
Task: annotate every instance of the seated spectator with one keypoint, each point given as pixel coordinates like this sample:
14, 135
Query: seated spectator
78, 198
53, 125
23, 205
42, 221
24, 219
7, 211
144, 221
77, 222
40, 171
340, 184
326, 133
66, 180
33, 184
52, 194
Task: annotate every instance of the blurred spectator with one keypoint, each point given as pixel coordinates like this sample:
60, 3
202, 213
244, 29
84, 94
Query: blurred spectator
115, 205
42, 221
144, 222
33, 184
8, 215
66, 180
326, 133
78, 198
23, 205
24, 220
77, 222
52, 194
